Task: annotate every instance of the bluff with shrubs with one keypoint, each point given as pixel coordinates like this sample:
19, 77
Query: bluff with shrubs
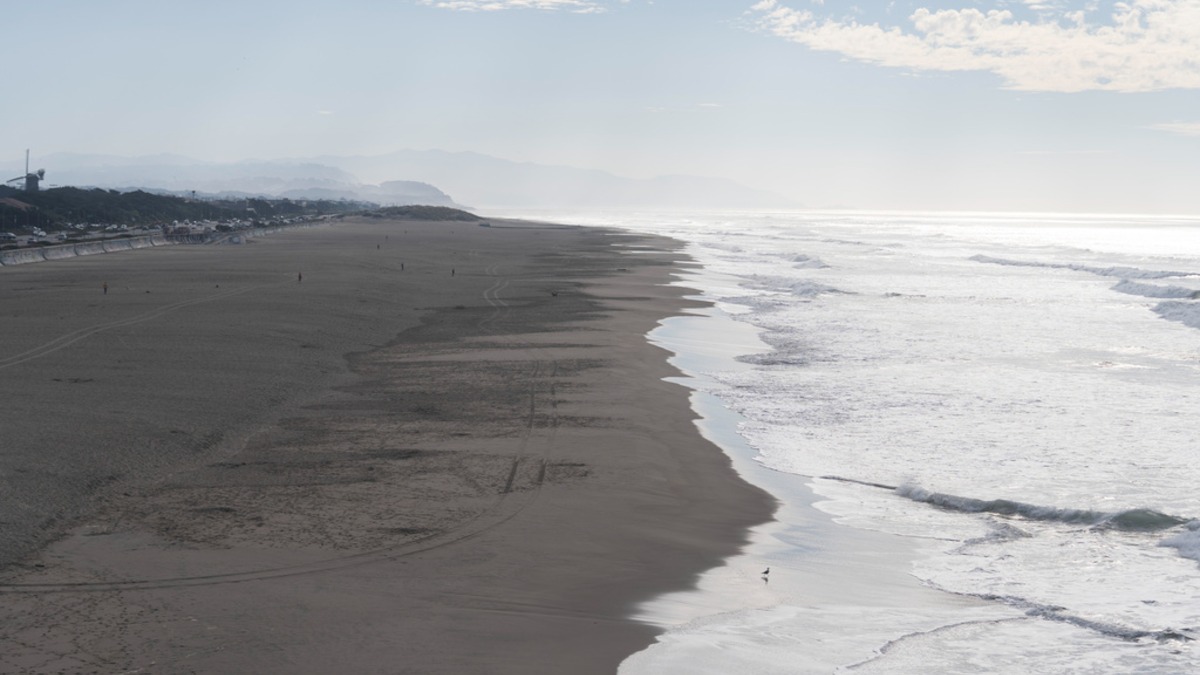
59, 207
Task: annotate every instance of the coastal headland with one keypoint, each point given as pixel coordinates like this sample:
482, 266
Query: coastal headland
370, 446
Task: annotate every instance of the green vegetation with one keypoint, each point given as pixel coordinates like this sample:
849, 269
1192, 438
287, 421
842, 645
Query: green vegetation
58, 207
416, 212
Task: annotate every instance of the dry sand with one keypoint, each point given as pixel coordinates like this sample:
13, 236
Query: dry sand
468, 465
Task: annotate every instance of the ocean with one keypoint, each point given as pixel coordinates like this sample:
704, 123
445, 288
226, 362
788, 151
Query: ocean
981, 429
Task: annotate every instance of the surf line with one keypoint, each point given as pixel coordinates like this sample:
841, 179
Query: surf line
1129, 520
867, 483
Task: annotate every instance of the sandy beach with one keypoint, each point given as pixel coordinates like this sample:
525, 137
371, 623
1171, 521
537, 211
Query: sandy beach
373, 446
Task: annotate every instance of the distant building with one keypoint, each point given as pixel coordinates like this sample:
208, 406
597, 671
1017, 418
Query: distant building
31, 181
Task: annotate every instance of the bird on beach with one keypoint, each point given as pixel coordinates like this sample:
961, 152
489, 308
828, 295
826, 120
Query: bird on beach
766, 575
766, 571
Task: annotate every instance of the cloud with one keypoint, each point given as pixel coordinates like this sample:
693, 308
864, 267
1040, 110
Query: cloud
1144, 45
1181, 128
576, 6
1041, 5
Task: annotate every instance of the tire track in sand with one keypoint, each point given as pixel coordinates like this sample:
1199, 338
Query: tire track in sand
507, 505
68, 339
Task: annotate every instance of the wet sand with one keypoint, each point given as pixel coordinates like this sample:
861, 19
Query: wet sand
445, 449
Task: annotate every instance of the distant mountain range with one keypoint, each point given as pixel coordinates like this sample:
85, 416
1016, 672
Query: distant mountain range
182, 175
482, 180
401, 178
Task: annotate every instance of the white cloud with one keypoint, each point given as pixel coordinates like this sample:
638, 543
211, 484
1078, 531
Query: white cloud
1042, 5
1182, 128
1147, 45
576, 6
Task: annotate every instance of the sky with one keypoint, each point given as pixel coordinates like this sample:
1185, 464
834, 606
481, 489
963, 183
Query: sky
1035, 105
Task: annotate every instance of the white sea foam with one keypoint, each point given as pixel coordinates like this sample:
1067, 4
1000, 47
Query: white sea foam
1186, 542
1027, 425
1113, 271
803, 262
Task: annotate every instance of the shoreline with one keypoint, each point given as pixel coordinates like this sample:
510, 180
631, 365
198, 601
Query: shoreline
508, 518
821, 569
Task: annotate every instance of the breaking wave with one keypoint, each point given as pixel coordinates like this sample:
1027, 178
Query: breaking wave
1131, 520
1187, 543
800, 289
1186, 313
1060, 614
1122, 272
1152, 291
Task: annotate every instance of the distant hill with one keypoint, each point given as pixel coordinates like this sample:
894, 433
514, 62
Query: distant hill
181, 175
408, 177
58, 207
435, 213
483, 181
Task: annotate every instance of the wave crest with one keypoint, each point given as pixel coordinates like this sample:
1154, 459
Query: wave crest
1130, 520
1123, 272
1152, 291
1186, 313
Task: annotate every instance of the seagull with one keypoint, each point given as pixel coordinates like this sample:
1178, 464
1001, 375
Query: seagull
766, 572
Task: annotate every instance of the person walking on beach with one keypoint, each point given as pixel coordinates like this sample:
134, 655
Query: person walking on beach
299, 277
106, 288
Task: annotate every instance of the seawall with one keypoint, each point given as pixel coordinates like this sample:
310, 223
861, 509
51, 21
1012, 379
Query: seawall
38, 254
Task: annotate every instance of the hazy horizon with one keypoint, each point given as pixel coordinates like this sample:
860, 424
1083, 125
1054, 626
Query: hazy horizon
1014, 105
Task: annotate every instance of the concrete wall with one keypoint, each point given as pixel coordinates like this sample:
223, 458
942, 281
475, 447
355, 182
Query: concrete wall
89, 248
21, 256
63, 251
58, 252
